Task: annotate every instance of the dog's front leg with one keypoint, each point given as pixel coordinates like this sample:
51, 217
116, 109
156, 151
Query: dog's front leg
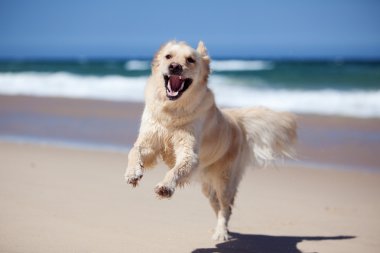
186, 161
140, 156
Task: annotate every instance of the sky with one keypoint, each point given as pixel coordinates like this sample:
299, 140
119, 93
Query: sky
248, 29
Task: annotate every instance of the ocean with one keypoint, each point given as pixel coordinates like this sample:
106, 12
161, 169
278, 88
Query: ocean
309, 87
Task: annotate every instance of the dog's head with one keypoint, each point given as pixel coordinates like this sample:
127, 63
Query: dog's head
181, 68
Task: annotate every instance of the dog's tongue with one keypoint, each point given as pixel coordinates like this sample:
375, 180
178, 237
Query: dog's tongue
175, 83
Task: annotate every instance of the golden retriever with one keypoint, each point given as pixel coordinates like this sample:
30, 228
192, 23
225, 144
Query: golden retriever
182, 125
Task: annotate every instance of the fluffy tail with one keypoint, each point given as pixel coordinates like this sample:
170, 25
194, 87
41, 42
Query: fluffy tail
270, 135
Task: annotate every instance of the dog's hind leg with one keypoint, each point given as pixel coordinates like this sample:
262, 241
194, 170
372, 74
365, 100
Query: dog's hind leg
225, 193
210, 193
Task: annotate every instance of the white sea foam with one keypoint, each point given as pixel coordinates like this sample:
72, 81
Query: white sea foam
216, 65
63, 84
240, 65
357, 103
137, 65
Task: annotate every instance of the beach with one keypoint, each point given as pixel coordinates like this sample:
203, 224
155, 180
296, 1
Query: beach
62, 187
73, 82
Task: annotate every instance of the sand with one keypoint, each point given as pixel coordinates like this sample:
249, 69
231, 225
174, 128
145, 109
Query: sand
71, 200
63, 197
323, 140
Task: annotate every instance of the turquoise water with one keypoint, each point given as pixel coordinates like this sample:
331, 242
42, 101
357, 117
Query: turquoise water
280, 74
345, 88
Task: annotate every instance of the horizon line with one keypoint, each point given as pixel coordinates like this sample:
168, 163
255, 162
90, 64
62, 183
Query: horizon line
232, 57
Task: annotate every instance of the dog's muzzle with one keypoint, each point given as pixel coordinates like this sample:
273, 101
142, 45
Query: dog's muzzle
175, 82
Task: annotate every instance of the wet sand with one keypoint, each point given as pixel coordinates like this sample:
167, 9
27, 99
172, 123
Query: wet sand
346, 143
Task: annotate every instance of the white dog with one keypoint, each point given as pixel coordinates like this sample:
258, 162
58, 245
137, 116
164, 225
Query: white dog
182, 125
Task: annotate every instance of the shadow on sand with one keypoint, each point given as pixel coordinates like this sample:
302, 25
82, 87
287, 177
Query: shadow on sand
264, 243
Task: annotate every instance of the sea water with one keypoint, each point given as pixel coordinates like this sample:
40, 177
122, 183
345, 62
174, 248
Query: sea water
316, 87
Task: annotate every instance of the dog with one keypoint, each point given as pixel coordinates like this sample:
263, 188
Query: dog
182, 125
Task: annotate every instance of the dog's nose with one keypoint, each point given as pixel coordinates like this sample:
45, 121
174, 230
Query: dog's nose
175, 68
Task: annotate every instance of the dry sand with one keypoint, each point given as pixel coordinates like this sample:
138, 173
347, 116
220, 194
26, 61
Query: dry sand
66, 200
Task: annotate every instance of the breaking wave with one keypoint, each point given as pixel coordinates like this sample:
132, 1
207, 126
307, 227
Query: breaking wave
356, 103
240, 65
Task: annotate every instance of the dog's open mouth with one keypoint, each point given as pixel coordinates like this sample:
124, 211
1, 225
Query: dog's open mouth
175, 85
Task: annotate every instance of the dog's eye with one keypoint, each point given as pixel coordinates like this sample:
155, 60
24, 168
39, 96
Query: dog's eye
190, 60
168, 56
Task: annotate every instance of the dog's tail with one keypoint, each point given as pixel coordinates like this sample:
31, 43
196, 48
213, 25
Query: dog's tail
270, 135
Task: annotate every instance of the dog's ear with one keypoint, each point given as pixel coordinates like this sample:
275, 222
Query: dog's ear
202, 50
155, 61
157, 56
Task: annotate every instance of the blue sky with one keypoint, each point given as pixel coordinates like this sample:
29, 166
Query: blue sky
260, 29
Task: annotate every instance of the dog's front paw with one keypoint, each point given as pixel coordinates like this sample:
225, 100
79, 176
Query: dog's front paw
221, 235
134, 177
164, 191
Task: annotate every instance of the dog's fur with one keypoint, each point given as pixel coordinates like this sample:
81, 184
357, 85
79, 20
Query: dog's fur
184, 127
